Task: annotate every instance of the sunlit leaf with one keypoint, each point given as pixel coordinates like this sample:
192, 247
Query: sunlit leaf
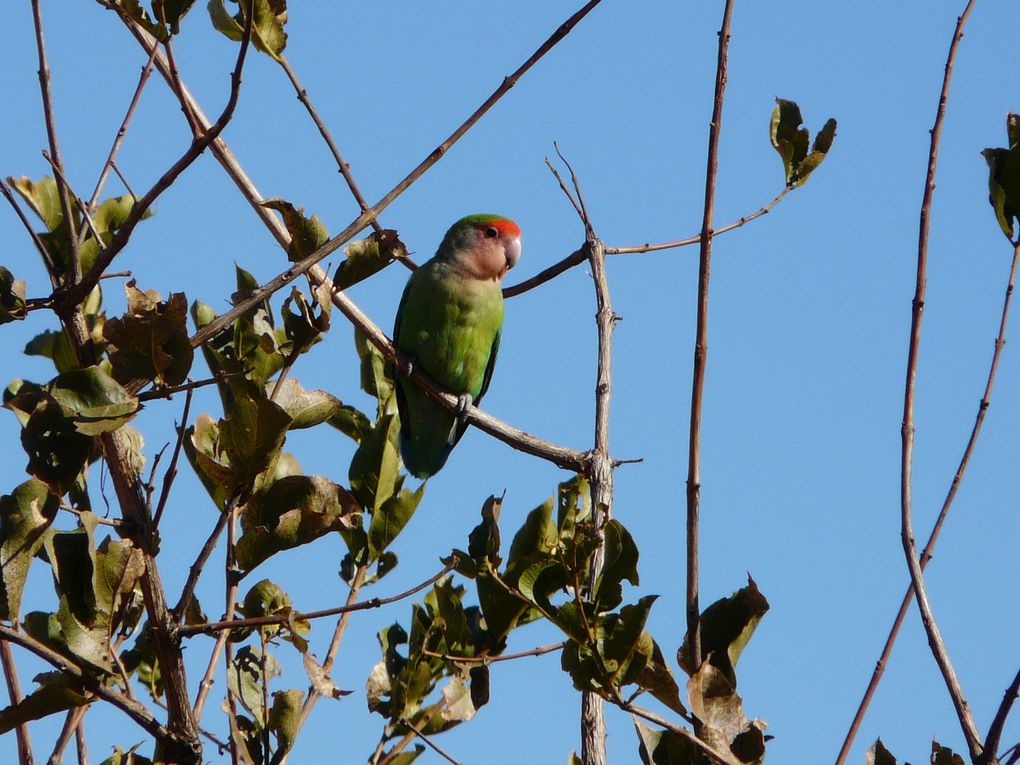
25, 515
368, 256
150, 342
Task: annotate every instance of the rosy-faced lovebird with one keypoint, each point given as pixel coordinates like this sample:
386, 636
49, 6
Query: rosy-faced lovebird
448, 324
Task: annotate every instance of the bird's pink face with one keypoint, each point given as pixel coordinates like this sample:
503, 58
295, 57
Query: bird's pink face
494, 249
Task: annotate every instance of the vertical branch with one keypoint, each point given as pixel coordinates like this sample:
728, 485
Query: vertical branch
593, 731
14, 693
51, 132
929, 548
935, 641
701, 348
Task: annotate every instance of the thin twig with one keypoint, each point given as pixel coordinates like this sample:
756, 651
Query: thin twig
199, 565
231, 577
261, 621
366, 217
89, 223
141, 206
312, 697
579, 256
81, 745
124, 181
999, 721
701, 347
121, 133
938, 648
486, 660
715, 755
431, 744
929, 548
142, 716
171, 390
14, 694
70, 725
51, 130
171, 471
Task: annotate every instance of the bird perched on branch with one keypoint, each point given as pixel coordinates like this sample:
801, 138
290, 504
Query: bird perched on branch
448, 324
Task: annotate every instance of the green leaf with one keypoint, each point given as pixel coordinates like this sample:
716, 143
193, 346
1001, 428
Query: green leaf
252, 435
621, 558
375, 468
941, 755
54, 346
726, 626
626, 645
267, 25
306, 234
204, 452
25, 516
57, 692
536, 538
306, 408
291, 512
879, 755
150, 342
664, 747
790, 139
368, 256
12, 297
657, 678
303, 328
171, 12
1004, 178
352, 422
391, 517
130, 757
483, 541
244, 677
376, 376
43, 197
94, 401
57, 451
141, 661
284, 718
134, 11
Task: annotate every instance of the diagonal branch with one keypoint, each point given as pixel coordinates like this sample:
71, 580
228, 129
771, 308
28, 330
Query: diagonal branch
136, 711
929, 548
701, 347
999, 721
935, 641
14, 693
304, 266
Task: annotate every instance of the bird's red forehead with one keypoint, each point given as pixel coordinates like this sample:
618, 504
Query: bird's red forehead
506, 227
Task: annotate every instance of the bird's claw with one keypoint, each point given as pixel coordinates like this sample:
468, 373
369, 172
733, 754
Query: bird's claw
464, 402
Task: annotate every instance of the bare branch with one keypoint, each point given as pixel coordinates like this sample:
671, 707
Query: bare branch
141, 206
701, 346
999, 721
929, 548
121, 133
142, 716
14, 694
486, 660
431, 744
71, 721
935, 641
171, 471
229, 625
51, 129
366, 217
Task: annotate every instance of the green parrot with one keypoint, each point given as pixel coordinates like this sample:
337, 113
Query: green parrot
448, 324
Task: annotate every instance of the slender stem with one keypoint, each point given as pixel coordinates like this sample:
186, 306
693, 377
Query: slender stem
14, 694
81, 745
171, 471
701, 347
142, 716
121, 133
486, 660
929, 548
231, 577
935, 641
431, 744
999, 721
68, 729
51, 128
261, 621
258, 295
199, 565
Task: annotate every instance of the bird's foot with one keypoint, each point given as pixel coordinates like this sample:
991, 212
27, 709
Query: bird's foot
464, 401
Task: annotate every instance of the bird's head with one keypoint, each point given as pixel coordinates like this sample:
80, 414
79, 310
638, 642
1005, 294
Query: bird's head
484, 246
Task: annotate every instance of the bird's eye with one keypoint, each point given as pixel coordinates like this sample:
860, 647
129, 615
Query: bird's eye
491, 232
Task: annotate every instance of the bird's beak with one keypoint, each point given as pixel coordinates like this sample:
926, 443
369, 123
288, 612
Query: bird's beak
513, 252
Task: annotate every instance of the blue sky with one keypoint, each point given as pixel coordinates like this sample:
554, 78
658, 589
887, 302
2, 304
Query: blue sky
809, 317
